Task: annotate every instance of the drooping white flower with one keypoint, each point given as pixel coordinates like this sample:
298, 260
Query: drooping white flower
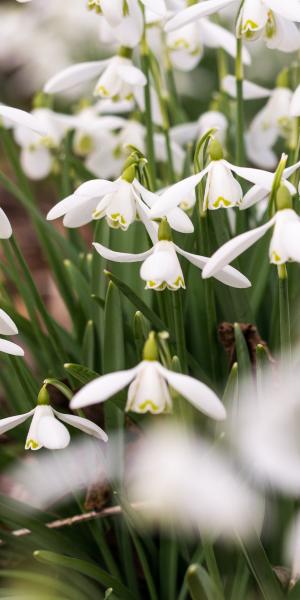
37, 151
8, 327
273, 20
222, 190
118, 79
124, 17
259, 193
148, 390
161, 268
46, 429
185, 482
284, 244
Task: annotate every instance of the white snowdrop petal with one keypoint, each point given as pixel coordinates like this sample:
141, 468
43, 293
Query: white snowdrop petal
11, 348
61, 208
132, 75
228, 275
215, 36
81, 214
7, 326
229, 251
11, 422
120, 256
52, 434
5, 226
180, 221
175, 194
251, 90
196, 392
36, 163
102, 388
74, 75
289, 10
83, 424
254, 195
193, 13
22, 118
295, 103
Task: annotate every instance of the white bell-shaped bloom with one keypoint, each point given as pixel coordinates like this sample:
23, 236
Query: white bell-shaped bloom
161, 268
273, 20
118, 78
185, 482
123, 17
46, 429
149, 390
36, 150
221, 188
8, 327
284, 246
186, 133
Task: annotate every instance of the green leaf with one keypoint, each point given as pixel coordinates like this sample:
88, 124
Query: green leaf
81, 373
86, 568
200, 585
261, 569
242, 352
88, 346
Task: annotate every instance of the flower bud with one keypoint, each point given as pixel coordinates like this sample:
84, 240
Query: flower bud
215, 150
150, 351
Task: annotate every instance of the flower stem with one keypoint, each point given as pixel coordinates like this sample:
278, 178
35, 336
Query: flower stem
284, 311
239, 74
179, 329
148, 114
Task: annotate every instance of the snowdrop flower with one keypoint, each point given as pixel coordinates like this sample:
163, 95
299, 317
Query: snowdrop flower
189, 132
8, 327
36, 150
259, 193
273, 20
148, 390
221, 190
284, 244
119, 78
161, 268
184, 481
186, 44
124, 17
46, 430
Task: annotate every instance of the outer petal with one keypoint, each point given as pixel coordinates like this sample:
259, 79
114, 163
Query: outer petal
162, 264
215, 36
61, 208
81, 214
295, 104
23, 118
103, 388
180, 221
228, 275
36, 163
11, 422
132, 75
174, 194
286, 37
229, 251
52, 434
193, 13
257, 176
121, 256
251, 91
75, 75
289, 10
196, 392
83, 424
5, 226
254, 195
11, 348
7, 326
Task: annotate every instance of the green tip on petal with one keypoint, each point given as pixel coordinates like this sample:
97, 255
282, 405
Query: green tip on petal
283, 198
215, 150
150, 351
164, 231
43, 398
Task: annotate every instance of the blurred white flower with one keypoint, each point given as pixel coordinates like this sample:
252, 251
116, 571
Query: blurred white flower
125, 19
46, 431
8, 327
118, 78
186, 482
273, 20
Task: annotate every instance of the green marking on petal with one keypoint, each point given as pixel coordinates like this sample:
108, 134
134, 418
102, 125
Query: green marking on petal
222, 202
276, 257
150, 405
31, 445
